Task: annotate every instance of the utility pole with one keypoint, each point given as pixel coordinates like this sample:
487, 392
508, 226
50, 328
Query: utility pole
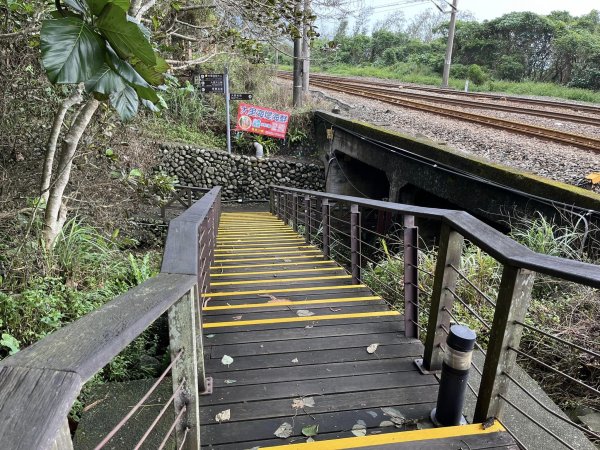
297, 82
448, 59
306, 48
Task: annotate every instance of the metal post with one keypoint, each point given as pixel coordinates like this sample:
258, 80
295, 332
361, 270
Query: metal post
271, 201
307, 214
454, 378
411, 278
295, 211
306, 48
511, 307
355, 242
182, 335
325, 208
285, 207
279, 206
228, 119
448, 59
449, 253
297, 79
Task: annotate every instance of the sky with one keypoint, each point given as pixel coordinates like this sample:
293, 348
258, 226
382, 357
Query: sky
481, 9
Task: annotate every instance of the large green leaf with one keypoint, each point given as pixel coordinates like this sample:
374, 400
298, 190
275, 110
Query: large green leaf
77, 5
155, 74
123, 68
105, 81
71, 51
96, 6
124, 36
146, 92
125, 102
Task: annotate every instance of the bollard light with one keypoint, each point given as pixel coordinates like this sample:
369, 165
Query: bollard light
455, 373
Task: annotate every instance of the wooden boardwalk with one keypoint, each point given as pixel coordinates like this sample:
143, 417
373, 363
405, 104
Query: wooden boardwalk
286, 336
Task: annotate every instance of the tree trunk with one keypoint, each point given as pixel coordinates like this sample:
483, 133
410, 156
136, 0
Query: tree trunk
59, 118
56, 211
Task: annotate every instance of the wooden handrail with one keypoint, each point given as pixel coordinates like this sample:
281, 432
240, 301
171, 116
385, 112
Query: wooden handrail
39, 384
501, 247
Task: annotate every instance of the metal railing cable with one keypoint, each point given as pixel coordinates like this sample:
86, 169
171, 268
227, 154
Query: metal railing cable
554, 413
558, 339
138, 405
556, 371
468, 307
172, 427
479, 291
536, 422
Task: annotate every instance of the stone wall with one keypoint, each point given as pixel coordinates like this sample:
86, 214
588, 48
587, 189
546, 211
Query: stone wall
242, 177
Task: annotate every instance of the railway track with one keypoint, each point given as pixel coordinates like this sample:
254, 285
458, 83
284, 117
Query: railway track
585, 142
481, 95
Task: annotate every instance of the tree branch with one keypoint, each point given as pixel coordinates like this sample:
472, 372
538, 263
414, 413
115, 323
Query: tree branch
180, 65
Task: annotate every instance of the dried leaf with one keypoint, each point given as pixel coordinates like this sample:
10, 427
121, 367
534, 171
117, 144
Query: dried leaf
304, 313
229, 381
335, 309
371, 348
226, 360
210, 336
284, 431
297, 403
295, 360
279, 300
392, 412
237, 317
309, 402
310, 440
359, 428
386, 423
310, 430
372, 413
223, 416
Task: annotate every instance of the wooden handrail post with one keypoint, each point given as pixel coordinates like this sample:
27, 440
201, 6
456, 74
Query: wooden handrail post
411, 278
271, 201
355, 241
326, 210
295, 212
182, 336
307, 218
511, 307
449, 253
190, 201
63, 439
279, 206
285, 207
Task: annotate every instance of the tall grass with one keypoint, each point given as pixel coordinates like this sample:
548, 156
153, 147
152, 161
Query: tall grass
423, 75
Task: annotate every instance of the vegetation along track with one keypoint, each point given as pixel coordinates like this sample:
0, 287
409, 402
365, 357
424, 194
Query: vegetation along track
496, 97
368, 92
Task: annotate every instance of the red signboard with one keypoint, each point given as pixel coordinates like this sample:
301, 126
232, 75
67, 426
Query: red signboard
259, 120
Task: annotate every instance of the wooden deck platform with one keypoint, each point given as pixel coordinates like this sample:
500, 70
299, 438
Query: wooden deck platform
286, 337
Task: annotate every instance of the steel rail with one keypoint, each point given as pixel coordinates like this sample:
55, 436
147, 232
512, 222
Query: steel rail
585, 142
369, 87
445, 91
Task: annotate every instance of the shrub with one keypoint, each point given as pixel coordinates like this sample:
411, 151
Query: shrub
476, 74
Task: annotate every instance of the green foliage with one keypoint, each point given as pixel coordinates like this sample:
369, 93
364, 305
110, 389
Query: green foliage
96, 43
476, 74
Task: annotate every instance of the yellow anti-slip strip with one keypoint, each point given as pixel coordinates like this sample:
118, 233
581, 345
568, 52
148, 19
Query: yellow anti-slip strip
270, 259
395, 438
248, 266
280, 280
239, 323
269, 272
264, 252
279, 291
291, 303
256, 234
284, 245
259, 237
292, 246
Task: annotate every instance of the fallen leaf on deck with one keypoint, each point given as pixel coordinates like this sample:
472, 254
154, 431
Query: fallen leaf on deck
295, 360
372, 413
386, 423
229, 381
304, 313
335, 309
371, 348
284, 431
237, 317
392, 412
287, 260
297, 403
223, 416
309, 402
310, 440
359, 428
279, 300
310, 430
226, 360
210, 336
